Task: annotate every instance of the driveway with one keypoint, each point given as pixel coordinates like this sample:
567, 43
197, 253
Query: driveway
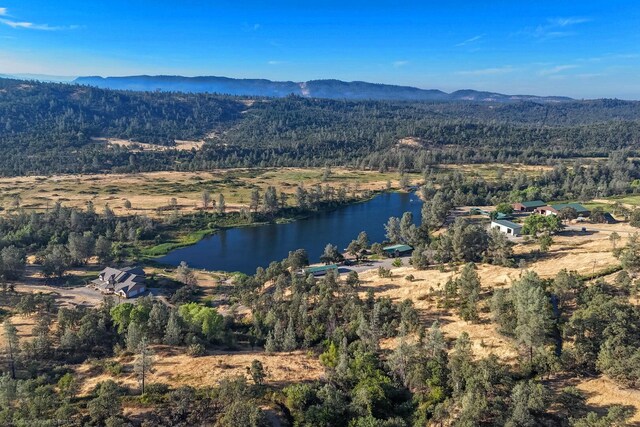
373, 265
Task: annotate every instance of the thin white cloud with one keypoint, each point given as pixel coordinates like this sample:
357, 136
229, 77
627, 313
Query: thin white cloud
276, 62
32, 26
487, 71
399, 64
557, 69
471, 40
3, 11
565, 22
556, 28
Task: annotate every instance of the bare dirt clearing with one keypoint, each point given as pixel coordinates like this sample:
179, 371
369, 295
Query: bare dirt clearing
134, 146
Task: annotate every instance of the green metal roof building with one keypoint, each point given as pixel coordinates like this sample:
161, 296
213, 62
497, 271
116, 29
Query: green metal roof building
321, 270
577, 206
395, 250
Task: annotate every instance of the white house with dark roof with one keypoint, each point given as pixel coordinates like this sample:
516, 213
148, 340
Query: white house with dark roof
128, 282
507, 227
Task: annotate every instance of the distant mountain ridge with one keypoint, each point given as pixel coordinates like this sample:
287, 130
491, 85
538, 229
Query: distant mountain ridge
330, 89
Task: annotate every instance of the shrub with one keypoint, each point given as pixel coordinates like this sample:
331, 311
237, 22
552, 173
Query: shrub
196, 350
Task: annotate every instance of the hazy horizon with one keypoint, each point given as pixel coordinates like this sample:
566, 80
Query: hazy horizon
580, 50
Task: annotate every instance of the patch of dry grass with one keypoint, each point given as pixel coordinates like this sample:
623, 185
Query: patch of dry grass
174, 367
149, 191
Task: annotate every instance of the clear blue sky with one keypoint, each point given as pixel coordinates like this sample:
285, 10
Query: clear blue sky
575, 48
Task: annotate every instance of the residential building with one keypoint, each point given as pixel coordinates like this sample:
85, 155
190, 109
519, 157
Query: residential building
529, 206
555, 209
127, 282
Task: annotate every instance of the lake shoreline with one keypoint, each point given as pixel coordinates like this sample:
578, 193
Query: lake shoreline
226, 249
194, 237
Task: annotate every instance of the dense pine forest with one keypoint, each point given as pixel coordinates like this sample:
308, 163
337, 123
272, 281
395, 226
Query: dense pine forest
48, 128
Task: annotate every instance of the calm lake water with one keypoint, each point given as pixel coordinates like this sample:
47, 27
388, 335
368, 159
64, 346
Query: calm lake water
244, 249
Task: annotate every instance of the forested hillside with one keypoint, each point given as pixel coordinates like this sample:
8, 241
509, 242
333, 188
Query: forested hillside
49, 128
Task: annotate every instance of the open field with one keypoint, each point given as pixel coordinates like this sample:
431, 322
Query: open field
135, 146
152, 190
602, 392
175, 368
149, 191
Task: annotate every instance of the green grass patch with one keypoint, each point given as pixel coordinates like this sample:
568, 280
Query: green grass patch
181, 241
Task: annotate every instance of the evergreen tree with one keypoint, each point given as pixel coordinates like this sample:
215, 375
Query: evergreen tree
135, 335
533, 313
157, 323
289, 343
144, 362
469, 292
392, 230
173, 332
12, 342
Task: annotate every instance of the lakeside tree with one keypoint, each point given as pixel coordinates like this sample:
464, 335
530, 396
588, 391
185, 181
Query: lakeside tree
270, 206
222, 207
392, 230
206, 199
330, 254
185, 275
297, 259
255, 200
435, 210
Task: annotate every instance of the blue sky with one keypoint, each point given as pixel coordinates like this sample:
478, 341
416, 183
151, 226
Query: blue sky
575, 48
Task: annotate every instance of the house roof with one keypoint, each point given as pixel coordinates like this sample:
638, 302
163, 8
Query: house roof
533, 204
577, 206
320, 268
120, 280
399, 248
506, 223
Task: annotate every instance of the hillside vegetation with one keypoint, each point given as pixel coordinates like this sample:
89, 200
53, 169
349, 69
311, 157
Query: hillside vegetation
50, 128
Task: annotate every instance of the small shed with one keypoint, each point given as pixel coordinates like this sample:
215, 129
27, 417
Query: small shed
529, 206
395, 251
321, 270
507, 227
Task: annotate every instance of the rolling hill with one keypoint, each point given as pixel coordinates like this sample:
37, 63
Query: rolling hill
329, 89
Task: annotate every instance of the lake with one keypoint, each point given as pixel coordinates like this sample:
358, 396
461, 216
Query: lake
246, 248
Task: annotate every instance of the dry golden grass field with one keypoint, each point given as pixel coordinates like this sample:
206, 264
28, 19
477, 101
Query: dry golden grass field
174, 367
152, 190
149, 191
